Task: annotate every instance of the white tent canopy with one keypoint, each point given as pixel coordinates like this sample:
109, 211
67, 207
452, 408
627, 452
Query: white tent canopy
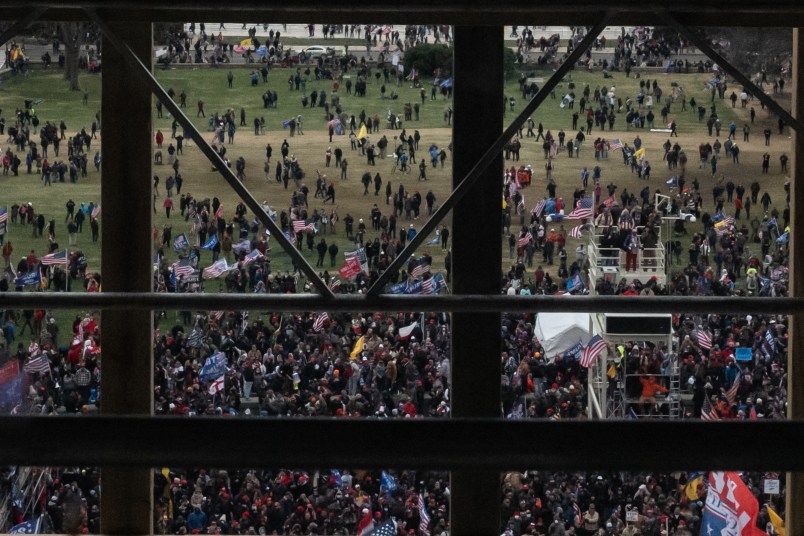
560, 332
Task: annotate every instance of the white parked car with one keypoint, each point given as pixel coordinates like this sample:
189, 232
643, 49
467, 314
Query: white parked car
317, 50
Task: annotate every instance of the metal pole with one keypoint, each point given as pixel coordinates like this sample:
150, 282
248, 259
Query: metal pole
794, 522
127, 267
475, 383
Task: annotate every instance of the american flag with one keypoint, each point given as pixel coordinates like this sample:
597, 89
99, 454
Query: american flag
217, 269
386, 529
216, 386
95, 211
38, 364
243, 245
59, 257
592, 351
610, 201
3, 214
183, 268
708, 413
576, 231
583, 209
318, 325
704, 339
219, 212
524, 240
360, 253
537, 210
428, 287
420, 270
299, 226
334, 284
253, 256
424, 518
615, 144
216, 315
731, 394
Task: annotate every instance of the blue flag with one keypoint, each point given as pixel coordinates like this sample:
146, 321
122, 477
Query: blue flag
213, 368
338, 478
180, 242
398, 288
388, 482
30, 278
28, 527
211, 243
11, 392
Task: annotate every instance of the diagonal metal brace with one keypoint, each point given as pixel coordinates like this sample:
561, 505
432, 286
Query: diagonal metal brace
735, 73
137, 66
485, 160
23, 22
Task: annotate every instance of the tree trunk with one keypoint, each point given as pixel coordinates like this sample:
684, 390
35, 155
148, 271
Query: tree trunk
70, 33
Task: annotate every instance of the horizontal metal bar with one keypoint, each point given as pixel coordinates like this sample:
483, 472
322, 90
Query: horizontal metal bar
393, 302
582, 13
488, 444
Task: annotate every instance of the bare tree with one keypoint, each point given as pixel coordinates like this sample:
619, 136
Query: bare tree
71, 34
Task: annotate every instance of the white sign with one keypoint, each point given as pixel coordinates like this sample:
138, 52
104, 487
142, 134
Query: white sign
771, 487
632, 516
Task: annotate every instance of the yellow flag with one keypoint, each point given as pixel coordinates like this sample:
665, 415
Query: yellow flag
362, 134
246, 42
358, 348
691, 491
612, 371
778, 522
639, 153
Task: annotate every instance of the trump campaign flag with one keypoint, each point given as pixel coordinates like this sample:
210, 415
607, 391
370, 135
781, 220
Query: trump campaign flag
213, 368
31, 526
211, 243
350, 269
180, 242
731, 508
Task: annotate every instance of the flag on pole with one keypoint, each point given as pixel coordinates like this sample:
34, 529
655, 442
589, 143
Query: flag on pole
537, 210
219, 212
299, 226
731, 507
362, 133
96, 211
318, 325
576, 232
424, 517
31, 526
704, 338
693, 486
211, 242
183, 268
583, 209
39, 364
388, 482
776, 521
216, 386
4, 214
615, 144
731, 394
180, 242
29, 278
419, 270
242, 246
58, 257
215, 270
366, 525
592, 351
708, 413
253, 256
358, 349
214, 367
524, 240
610, 201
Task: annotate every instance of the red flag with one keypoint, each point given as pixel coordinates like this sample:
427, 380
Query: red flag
731, 508
350, 269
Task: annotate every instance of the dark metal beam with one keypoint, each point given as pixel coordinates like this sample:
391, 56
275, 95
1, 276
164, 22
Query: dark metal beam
144, 73
485, 160
126, 194
22, 24
480, 303
735, 73
482, 444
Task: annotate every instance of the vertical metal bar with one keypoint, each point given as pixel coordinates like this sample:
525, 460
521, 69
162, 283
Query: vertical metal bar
794, 522
127, 267
479, 91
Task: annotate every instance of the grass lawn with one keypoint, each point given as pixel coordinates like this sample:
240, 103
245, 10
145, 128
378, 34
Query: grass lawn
210, 86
